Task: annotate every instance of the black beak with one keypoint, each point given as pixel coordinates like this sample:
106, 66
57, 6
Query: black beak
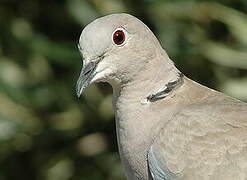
86, 75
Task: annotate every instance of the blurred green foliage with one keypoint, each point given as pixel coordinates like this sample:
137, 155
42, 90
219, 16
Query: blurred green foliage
46, 133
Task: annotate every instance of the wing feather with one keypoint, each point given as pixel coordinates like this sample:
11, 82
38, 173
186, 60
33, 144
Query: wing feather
202, 142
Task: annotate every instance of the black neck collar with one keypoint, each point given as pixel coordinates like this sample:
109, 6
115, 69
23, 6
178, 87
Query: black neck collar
169, 87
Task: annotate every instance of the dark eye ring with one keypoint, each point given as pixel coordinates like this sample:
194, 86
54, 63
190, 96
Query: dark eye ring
118, 37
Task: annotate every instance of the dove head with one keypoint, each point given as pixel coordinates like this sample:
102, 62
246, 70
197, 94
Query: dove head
115, 49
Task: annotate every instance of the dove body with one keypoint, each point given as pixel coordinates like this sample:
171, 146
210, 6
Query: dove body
168, 126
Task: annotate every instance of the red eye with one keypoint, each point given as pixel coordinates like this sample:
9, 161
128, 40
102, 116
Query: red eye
118, 37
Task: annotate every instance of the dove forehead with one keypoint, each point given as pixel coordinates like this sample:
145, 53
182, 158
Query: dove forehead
106, 25
96, 36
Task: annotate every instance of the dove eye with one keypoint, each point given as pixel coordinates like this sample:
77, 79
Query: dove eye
118, 37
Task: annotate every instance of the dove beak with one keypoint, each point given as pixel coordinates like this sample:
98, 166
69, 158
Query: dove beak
86, 75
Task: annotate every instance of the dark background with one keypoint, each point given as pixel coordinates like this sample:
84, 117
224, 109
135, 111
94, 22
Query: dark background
46, 133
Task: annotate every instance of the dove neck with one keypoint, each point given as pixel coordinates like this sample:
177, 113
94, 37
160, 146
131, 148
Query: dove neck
135, 125
153, 78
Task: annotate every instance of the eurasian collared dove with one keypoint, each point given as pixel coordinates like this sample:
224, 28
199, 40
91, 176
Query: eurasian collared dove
168, 126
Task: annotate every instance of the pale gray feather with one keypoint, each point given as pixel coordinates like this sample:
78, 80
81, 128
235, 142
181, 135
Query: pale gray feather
168, 126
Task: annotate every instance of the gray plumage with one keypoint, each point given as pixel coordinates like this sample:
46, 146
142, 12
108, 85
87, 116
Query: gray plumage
168, 126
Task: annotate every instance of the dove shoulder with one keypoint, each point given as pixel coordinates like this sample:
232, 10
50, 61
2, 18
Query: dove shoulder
207, 140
